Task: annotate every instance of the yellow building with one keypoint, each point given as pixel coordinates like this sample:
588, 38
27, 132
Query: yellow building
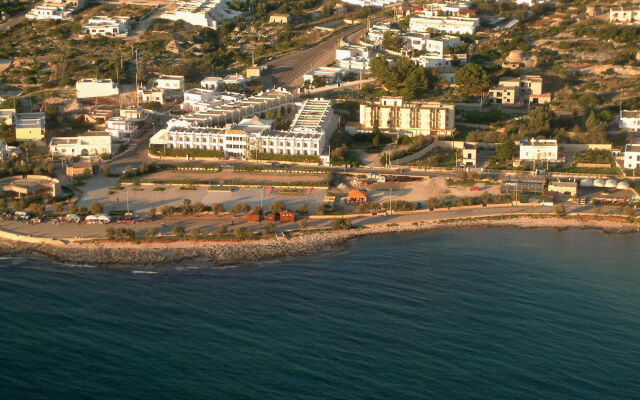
253, 72
410, 118
30, 126
279, 19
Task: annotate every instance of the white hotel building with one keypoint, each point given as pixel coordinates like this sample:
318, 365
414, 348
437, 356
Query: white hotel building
308, 135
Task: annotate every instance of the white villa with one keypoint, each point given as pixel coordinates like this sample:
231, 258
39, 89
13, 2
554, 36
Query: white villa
539, 150
55, 10
170, 82
211, 82
88, 144
630, 121
101, 25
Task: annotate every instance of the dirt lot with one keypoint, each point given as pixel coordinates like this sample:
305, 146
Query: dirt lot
425, 189
228, 175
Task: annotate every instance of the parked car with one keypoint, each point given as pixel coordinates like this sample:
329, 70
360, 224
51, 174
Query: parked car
21, 215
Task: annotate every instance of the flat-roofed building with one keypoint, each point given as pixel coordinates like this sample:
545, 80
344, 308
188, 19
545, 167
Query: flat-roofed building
519, 90
211, 82
102, 25
315, 116
8, 116
134, 113
204, 13
92, 87
279, 18
87, 144
450, 24
539, 150
438, 45
170, 82
631, 156
409, 117
330, 74
630, 121
236, 109
235, 79
47, 12
566, 188
308, 135
122, 128
29, 186
153, 95
469, 155
625, 15
30, 126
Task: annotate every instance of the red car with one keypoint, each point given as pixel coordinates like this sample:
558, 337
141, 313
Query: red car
475, 189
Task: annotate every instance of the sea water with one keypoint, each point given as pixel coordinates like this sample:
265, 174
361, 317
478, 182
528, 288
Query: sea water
475, 314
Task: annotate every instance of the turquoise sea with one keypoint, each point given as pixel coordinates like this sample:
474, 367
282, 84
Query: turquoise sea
475, 314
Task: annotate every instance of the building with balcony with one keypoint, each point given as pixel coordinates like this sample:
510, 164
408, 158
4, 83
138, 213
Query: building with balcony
410, 118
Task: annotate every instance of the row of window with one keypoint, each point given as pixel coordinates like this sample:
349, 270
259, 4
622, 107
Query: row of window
263, 150
240, 139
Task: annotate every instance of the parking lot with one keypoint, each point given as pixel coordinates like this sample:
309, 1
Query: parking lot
144, 197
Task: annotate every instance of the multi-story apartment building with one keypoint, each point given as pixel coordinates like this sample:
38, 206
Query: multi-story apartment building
101, 25
518, 90
408, 117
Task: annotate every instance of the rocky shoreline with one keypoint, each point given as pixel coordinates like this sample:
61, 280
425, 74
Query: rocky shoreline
129, 254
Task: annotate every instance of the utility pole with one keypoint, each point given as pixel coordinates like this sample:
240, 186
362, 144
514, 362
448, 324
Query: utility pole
137, 99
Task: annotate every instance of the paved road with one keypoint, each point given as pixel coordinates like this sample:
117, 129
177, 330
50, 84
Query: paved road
287, 71
18, 18
209, 223
143, 25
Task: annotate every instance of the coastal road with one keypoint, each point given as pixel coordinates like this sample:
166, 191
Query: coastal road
288, 70
209, 223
